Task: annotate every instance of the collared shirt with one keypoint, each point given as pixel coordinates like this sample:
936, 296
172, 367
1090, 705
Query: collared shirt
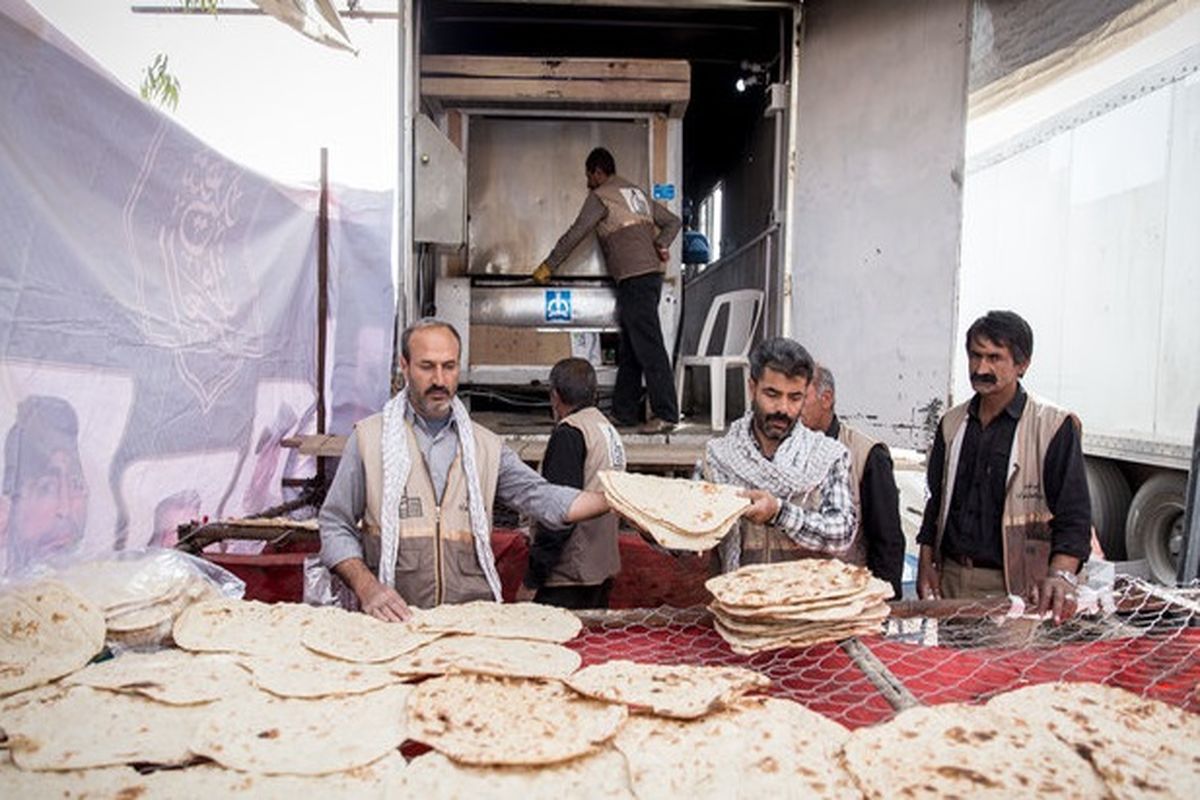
879, 513
830, 527
974, 519
517, 486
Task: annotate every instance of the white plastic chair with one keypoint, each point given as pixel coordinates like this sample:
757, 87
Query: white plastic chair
744, 307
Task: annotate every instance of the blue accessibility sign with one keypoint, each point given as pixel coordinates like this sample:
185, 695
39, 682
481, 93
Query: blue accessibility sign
664, 191
558, 305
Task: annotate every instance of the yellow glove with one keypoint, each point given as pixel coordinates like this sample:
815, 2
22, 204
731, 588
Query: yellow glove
541, 275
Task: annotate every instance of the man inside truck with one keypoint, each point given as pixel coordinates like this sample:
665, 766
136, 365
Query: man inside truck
798, 480
1008, 509
634, 233
574, 568
407, 520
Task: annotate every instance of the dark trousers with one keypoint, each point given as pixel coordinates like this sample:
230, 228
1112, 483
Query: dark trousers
575, 596
642, 352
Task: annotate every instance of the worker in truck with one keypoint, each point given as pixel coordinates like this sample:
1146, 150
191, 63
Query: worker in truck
574, 568
1008, 509
798, 480
879, 544
421, 478
634, 234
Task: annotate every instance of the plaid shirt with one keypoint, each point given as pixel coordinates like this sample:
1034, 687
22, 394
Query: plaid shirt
829, 528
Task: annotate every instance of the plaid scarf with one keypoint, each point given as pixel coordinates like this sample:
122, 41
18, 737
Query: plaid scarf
397, 463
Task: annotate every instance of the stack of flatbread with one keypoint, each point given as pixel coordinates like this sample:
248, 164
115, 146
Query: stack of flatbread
679, 514
796, 603
46, 631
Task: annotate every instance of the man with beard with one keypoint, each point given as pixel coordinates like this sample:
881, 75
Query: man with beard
44, 507
798, 480
420, 478
1008, 509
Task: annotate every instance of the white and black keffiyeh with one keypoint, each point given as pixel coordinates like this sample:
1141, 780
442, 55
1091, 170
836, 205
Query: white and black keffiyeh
397, 462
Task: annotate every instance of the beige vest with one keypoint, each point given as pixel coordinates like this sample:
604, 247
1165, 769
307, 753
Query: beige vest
627, 232
859, 444
436, 561
591, 555
767, 544
1025, 523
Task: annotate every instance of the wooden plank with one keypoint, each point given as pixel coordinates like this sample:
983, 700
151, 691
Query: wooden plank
454, 128
658, 135
321, 445
625, 92
578, 68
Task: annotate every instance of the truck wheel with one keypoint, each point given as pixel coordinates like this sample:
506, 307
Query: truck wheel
1110, 496
1154, 529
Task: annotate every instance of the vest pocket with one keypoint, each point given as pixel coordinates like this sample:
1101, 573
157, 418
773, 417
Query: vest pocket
408, 559
468, 564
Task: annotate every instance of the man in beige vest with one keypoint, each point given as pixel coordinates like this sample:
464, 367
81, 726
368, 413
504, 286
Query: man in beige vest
407, 520
634, 234
798, 480
879, 543
1008, 509
574, 568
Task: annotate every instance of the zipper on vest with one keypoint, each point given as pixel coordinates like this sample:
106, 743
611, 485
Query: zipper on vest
437, 555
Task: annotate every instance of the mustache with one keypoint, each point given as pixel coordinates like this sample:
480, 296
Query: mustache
977, 378
782, 418
436, 390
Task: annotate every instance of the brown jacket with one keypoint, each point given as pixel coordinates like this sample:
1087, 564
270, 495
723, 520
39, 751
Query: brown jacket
630, 228
436, 562
591, 555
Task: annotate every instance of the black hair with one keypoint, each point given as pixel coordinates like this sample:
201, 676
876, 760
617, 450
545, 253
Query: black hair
575, 381
1007, 329
782, 355
601, 159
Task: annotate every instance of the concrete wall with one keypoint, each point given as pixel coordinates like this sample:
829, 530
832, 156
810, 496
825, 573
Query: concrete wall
881, 117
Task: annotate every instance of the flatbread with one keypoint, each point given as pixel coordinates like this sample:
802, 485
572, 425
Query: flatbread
46, 631
265, 734
759, 749
486, 655
500, 620
680, 514
175, 677
121, 584
684, 692
830, 608
747, 644
84, 727
311, 676
600, 774
209, 781
957, 750
241, 626
482, 720
1141, 747
351, 636
788, 583
95, 784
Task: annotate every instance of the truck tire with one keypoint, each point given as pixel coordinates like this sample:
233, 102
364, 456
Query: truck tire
1154, 529
1110, 496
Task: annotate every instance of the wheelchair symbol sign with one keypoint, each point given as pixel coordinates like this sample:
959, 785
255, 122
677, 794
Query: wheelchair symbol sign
558, 305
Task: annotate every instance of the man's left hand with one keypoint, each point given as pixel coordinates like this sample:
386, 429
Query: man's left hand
763, 506
1056, 595
525, 594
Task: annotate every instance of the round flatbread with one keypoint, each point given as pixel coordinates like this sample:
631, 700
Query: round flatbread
679, 514
1140, 746
685, 692
46, 631
513, 658
788, 583
350, 636
241, 626
310, 675
482, 720
965, 751
600, 774
106, 782
212, 781
271, 735
760, 748
500, 620
175, 677
84, 727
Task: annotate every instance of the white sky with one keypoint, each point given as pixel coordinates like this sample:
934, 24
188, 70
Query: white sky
254, 88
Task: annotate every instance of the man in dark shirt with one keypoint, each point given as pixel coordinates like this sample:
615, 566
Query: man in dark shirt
573, 568
879, 543
1008, 509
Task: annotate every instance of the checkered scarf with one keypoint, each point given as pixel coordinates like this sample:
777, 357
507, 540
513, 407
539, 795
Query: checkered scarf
397, 463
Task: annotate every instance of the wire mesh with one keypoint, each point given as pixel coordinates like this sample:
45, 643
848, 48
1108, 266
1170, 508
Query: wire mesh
1146, 640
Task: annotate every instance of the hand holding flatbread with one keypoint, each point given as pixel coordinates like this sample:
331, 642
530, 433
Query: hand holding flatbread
679, 514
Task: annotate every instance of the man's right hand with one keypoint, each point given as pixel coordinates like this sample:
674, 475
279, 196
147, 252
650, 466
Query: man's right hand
929, 580
541, 275
384, 602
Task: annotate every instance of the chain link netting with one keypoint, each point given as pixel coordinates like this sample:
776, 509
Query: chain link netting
1142, 638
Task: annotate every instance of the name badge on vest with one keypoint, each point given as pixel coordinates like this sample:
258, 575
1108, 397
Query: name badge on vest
410, 507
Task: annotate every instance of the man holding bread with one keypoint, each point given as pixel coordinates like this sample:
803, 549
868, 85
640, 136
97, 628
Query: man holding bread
797, 479
408, 517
